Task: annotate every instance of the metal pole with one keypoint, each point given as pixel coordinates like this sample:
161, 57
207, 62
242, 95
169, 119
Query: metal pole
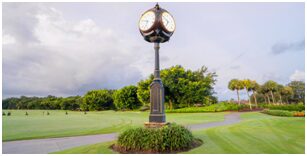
157, 92
157, 63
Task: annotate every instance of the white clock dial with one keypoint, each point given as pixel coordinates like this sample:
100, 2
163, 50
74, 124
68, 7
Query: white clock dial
147, 20
168, 21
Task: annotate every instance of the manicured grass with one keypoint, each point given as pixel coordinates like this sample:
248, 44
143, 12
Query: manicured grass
102, 148
257, 133
18, 126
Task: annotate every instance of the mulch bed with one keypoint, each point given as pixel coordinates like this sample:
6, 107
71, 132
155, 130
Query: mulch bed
253, 110
123, 150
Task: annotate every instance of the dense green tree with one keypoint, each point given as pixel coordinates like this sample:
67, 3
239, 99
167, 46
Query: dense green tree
126, 98
196, 87
10, 103
50, 102
71, 103
182, 87
34, 103
298, 88
143, 90
236, 85
97, 100
173, 79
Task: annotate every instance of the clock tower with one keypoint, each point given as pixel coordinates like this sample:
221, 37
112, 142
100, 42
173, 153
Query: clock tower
157, 26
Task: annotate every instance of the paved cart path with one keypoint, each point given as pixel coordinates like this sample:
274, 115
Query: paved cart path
44, 146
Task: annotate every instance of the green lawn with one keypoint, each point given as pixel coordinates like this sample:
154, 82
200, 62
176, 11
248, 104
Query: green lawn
57, 124
257, 133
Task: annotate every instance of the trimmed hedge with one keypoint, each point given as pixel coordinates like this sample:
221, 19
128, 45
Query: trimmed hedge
292, 107
169, 138
284, 113
212, 108
299, 114
278, 112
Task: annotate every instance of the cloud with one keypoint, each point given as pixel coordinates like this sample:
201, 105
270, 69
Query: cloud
18, 20
52, 55
279, 48
298, 76
69, 48
8, 39
235, 67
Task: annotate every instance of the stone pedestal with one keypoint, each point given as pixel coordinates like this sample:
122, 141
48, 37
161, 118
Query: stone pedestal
155, 124
157, 102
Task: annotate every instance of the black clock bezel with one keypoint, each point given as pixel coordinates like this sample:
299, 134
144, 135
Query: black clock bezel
163, 26
157, 33
153, 25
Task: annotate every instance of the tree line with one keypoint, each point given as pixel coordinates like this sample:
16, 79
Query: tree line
183, 88
270, 92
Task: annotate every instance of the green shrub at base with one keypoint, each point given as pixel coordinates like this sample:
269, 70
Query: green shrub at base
170, 138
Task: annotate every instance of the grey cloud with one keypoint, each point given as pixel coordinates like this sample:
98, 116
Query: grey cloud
273, 76
48, 58
235, 67
164, 58
19, 21
279, 48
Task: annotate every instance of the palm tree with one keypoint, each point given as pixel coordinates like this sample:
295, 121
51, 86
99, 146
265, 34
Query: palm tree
255, 87
247, 85
287, 92
265, 93
237, 85
279, 89
271, 87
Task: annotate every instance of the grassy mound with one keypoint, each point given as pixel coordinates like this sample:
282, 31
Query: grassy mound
171, 138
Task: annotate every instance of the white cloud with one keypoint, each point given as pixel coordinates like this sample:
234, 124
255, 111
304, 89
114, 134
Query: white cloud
8, 39
68, 48
68, 58
298, 76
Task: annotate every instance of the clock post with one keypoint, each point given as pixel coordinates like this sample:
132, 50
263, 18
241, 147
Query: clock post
157, 114
156, 26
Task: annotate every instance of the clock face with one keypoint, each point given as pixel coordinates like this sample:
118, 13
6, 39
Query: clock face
168, 22
147, 20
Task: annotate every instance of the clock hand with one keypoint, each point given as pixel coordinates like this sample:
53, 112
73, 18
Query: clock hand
166, 21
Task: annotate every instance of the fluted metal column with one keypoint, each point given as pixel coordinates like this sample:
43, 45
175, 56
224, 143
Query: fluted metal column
157, 92
157, 63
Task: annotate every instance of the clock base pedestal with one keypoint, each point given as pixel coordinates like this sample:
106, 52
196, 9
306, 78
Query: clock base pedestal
155, 124
157, 101
158, 118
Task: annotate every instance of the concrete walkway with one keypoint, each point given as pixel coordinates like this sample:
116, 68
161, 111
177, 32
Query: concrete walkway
44, 146
230, 118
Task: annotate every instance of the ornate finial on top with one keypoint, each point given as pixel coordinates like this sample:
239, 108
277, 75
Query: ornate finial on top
157, 6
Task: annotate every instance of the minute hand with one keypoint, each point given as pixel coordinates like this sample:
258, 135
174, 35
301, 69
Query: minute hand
166, 21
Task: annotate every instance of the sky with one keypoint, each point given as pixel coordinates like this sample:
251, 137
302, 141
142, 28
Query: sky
66, 49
